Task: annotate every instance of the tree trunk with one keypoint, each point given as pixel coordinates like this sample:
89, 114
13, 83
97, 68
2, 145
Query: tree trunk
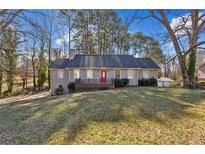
192, 55
181, 59
49, 61
1, 81
191, 68
10, 82
69, 35
26, 74
11, 70
34, 72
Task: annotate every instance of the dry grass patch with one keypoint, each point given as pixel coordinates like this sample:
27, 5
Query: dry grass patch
140, 115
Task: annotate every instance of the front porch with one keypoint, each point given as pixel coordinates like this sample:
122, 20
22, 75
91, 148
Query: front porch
93, 84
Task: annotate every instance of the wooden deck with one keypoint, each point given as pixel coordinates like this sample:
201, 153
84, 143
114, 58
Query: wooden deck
92, 84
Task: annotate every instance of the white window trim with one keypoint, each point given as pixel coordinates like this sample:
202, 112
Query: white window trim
89, 74
60, 74
130, 74
76, 73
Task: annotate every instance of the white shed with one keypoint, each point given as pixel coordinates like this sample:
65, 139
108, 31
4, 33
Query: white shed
164, 82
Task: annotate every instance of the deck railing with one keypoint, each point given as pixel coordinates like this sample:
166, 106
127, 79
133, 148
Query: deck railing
93, 81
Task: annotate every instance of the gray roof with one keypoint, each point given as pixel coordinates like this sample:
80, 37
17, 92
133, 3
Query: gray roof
60, 63
109, 61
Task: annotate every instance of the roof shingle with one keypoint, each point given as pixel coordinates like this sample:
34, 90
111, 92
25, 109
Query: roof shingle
109, 61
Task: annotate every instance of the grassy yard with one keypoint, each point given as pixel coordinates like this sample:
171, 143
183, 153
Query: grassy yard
121, 116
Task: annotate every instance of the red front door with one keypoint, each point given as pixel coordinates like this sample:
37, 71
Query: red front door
103, 76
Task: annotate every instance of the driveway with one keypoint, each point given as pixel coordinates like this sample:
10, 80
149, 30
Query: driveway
23, 97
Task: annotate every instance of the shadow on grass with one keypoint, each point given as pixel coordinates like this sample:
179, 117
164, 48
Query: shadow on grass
45, 120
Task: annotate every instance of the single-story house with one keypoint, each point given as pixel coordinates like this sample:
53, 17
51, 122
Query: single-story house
101, 69
201, 72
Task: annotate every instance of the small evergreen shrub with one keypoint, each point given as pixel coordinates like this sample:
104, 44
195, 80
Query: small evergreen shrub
71, 87
121, 82
117, 83
59, 90
153, 82
104, 88
125, 81
147, 82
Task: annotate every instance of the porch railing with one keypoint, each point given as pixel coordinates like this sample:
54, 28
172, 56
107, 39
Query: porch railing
93, 81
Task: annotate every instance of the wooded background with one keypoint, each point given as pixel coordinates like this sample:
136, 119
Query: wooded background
31, 39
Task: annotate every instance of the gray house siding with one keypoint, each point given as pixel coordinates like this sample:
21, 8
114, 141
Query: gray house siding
96, 74
136, 77
111, 73
71, 77
68, 76
153, 73
140, 74
134, 81
123, 73
83, 73
56, 81
201, 72
142, 67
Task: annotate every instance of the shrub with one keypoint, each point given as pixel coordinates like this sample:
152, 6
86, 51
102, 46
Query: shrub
71, 87
147, 82
59, 90
104, 88
121, 82
6, 93
175, 84
142, 82
125, 81
153, 82
117, 83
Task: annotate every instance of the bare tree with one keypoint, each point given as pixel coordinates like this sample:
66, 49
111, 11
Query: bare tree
1, 75
7, 17
49, 28
69, 16
192, 33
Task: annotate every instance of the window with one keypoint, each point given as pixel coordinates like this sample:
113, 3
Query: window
76, 74
60, 74
117, 74
146, 74
130, 74
89, 74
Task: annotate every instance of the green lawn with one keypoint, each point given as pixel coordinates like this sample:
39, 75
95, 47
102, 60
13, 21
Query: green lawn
120, 116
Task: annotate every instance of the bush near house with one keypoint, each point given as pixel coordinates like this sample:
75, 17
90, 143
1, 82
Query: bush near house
59, 90
176, 84
121, 82
71, 87
104, 88
148, 82
125, 81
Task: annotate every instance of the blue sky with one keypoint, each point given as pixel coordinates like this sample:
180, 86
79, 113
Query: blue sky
146, 27
152, 27
149, 26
